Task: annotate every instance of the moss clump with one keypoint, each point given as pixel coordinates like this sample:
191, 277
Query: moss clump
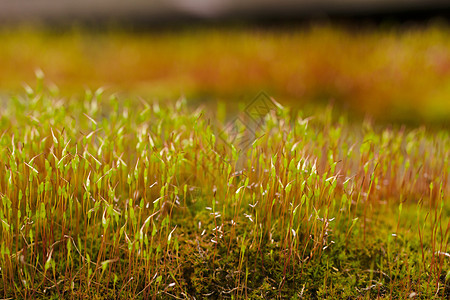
105, 199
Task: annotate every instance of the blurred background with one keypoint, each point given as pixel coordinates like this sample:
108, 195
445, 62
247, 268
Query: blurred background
384, 59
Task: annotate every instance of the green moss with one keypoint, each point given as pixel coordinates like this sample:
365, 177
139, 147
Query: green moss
138, 201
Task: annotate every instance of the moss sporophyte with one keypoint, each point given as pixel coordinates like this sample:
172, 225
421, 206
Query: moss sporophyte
120, 198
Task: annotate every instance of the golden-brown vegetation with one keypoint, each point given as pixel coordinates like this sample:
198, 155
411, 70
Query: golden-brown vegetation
391, 74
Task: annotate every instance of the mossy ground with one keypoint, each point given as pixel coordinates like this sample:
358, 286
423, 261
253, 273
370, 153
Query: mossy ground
118, 199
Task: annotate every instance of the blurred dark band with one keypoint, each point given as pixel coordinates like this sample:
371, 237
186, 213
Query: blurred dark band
178, 12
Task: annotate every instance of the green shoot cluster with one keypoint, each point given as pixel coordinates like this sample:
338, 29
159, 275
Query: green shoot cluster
116, 198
